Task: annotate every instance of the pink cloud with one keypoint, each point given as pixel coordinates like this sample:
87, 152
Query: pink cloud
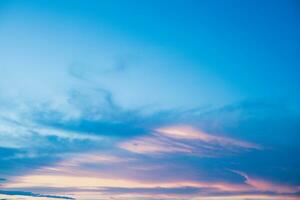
267, 186
155, 144
190, 133
90, 185
184, 139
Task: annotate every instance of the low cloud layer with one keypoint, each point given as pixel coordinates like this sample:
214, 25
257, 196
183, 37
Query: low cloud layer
162, 156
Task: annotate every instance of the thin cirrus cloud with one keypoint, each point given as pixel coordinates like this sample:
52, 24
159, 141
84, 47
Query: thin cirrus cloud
268, 186
79, 173
105, 187
144, 158
184, 139
150, 160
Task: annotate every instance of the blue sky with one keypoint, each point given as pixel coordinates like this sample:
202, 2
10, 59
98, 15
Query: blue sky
149, 100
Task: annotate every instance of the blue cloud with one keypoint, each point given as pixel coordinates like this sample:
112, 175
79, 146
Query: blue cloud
30, 194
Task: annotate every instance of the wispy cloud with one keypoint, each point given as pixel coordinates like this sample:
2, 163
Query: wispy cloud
153, 162
185, 139
22, 194
268, 186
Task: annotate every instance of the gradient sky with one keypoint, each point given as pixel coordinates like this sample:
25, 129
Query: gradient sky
150, 100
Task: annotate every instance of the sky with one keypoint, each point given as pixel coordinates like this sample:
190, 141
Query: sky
149, 100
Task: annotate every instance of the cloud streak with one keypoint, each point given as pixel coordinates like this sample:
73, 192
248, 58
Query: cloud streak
185, 139
30, 194
167, 161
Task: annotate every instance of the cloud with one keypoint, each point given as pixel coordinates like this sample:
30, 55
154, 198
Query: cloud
30, 194
148, 144
267, 186
81, 144
78, 175
185, 139
190, 133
